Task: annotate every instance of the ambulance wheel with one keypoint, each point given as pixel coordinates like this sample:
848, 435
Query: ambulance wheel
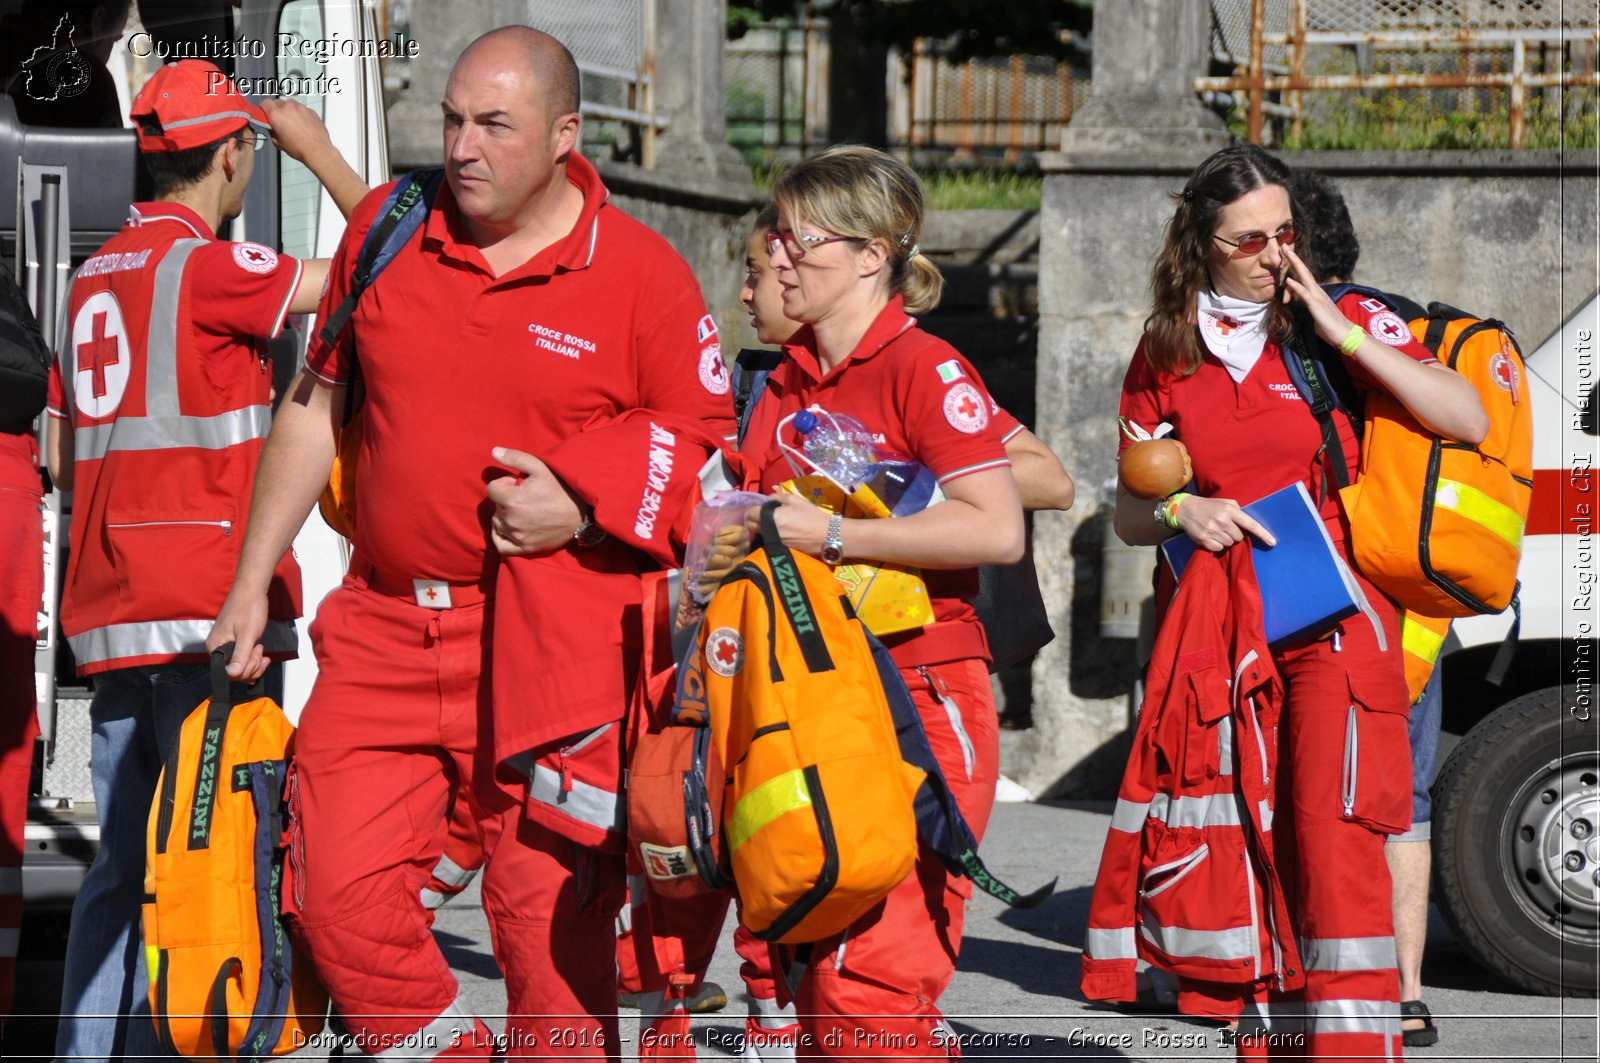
1516, 842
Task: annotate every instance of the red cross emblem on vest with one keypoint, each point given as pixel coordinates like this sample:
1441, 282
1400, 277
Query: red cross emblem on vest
101, 351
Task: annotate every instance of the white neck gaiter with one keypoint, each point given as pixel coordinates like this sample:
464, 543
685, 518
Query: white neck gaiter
1233, 329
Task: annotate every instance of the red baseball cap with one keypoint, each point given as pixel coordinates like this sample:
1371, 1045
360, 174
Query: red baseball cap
189, 104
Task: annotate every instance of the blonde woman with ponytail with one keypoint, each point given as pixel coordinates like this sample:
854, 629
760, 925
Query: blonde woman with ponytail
846, 252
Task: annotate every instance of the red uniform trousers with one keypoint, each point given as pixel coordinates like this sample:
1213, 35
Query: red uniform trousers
1344, 783
874, 990
21, 591
398, 718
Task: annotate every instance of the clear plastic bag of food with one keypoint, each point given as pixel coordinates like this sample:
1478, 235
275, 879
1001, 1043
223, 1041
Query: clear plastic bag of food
718, 541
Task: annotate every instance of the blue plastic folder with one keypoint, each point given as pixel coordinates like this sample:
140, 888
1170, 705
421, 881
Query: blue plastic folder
1306, 587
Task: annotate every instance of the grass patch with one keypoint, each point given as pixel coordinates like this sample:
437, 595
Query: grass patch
977, 189
1422, 121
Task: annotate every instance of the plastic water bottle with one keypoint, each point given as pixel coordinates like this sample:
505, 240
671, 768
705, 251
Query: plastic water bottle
836, 443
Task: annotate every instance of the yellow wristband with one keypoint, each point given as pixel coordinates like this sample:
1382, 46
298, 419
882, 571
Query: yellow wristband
1171, 515
1352, 341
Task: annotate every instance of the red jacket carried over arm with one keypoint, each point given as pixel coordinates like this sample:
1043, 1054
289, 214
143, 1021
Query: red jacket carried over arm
567, 629
1187, 880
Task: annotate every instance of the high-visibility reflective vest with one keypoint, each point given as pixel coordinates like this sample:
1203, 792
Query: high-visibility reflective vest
166, 444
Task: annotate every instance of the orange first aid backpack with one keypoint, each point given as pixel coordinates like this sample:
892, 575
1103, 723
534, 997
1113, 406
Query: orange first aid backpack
1435, 524
225, 983
830, 779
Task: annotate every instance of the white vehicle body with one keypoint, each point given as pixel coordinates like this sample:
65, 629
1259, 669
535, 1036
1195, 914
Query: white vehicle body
327, 48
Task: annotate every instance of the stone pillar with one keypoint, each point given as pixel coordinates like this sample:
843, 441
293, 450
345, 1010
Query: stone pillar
1147, 54
690, 92
1105, 204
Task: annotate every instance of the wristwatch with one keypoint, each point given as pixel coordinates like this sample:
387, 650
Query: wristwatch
589, 533
833, 545
1161, 512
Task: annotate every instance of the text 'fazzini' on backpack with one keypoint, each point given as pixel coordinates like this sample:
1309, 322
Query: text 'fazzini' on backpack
225, 983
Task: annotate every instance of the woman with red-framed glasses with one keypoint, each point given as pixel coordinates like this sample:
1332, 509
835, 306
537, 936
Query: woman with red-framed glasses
1284, 923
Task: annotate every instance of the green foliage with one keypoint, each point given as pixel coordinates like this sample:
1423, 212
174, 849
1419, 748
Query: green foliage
983, 190
1423, 120
977, 189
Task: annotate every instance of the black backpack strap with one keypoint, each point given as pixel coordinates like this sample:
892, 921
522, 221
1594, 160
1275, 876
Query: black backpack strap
795, 603
264, 780
1310, 379
751, 369
1508, 646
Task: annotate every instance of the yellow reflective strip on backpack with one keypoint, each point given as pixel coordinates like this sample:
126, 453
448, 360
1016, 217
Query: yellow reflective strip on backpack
778, 795
1419, 641
1479, 508
152, 963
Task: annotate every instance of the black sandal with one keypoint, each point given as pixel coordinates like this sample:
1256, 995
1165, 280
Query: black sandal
1428, 1035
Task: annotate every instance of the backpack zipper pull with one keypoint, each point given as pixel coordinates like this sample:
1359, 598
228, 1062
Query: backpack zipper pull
566, 773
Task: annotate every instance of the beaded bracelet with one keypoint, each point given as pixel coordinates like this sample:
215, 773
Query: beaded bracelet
1352, 341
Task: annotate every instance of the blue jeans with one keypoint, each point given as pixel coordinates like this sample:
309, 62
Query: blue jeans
1423, 724
136, 714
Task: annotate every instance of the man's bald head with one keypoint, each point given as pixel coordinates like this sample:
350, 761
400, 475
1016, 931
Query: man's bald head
551, 70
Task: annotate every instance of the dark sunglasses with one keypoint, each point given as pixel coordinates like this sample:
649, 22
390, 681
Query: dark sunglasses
1256, 243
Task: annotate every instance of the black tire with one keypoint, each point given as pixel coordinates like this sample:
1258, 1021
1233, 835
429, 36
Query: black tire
1520, 796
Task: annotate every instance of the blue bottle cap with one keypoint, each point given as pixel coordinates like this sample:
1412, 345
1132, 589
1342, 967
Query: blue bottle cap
805, 422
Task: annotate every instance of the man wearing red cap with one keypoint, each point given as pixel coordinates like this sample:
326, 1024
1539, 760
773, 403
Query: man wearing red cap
525, 312
160, 399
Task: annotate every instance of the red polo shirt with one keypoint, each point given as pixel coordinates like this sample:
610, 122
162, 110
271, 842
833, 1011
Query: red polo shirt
920, 398
457, 361
1250, 438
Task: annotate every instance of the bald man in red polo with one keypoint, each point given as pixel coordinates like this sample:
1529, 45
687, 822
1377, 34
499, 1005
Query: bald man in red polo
525, 309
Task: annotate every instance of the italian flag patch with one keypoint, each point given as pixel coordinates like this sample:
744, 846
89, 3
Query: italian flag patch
950, 371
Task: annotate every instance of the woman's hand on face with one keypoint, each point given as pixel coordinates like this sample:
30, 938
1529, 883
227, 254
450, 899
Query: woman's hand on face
1217, 523
1300, 284
801, 525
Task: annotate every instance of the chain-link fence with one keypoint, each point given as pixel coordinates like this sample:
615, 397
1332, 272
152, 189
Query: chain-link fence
614, 44
1001, 106
1409, 73
996, 107
776, 83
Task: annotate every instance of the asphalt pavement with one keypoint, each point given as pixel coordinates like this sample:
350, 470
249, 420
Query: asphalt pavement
1015, 995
